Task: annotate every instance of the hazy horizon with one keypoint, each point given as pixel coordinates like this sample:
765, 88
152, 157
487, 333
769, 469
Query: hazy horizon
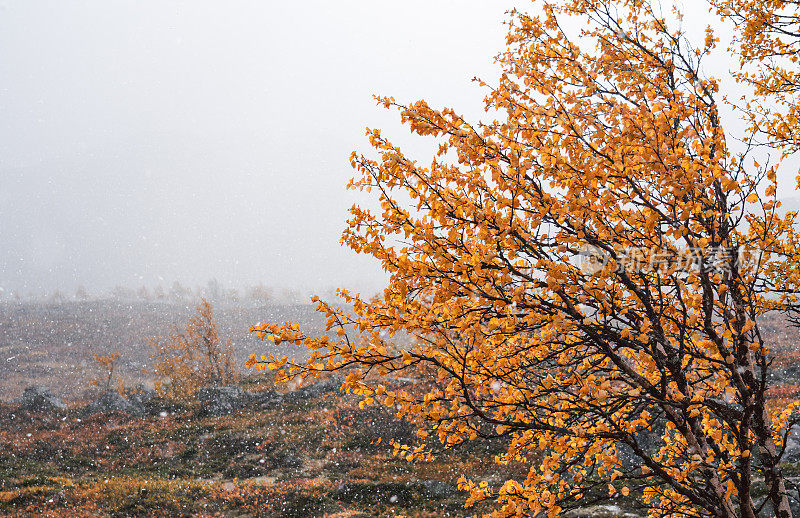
143, 143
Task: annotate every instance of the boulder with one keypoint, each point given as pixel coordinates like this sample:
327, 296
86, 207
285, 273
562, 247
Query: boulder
437, 490
265, 398
792, 451
393, 492
290, 459
602, 511
141, 396
789, 375
318, 389
221, 400
38, 398
112, 401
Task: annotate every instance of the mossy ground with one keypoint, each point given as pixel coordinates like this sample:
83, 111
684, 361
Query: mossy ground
323, 457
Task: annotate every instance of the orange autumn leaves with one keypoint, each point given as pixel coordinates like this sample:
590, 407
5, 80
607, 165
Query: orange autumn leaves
643, 378
186, 360
107, 365
766, 41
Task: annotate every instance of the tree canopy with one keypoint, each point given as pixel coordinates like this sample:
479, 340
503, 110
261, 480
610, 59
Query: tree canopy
584, 275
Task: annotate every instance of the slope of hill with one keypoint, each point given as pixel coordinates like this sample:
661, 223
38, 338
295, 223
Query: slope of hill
53, 344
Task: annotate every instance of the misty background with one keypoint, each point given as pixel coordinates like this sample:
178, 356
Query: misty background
147, 142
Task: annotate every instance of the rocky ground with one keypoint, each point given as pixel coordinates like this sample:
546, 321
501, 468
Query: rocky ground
236, 451
233, 452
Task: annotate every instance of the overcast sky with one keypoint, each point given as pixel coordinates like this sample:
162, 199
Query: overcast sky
143, 142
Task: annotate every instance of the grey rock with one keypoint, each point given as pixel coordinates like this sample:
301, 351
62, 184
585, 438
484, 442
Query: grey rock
602, 511
439, 490
290, 459
141, 396
38, 398
318, 389
792, 451
221, 400
785, 375
151, 402
265, 398
112, 401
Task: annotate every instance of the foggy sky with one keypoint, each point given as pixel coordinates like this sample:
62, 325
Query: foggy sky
143, 142
151, 141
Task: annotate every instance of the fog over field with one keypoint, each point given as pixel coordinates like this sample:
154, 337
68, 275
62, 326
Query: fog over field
147, 142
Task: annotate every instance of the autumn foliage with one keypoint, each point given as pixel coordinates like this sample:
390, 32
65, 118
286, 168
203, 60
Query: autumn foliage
766, 39
107, 365
186, 360
584, 275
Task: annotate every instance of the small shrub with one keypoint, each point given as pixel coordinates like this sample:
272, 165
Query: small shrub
187, 360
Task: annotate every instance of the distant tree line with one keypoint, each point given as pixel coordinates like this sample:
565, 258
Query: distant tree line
258, 294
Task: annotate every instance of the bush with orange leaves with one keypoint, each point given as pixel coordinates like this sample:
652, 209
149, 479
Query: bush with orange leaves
107, 363
186, 360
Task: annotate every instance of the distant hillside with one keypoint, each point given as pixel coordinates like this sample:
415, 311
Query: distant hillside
53, 344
